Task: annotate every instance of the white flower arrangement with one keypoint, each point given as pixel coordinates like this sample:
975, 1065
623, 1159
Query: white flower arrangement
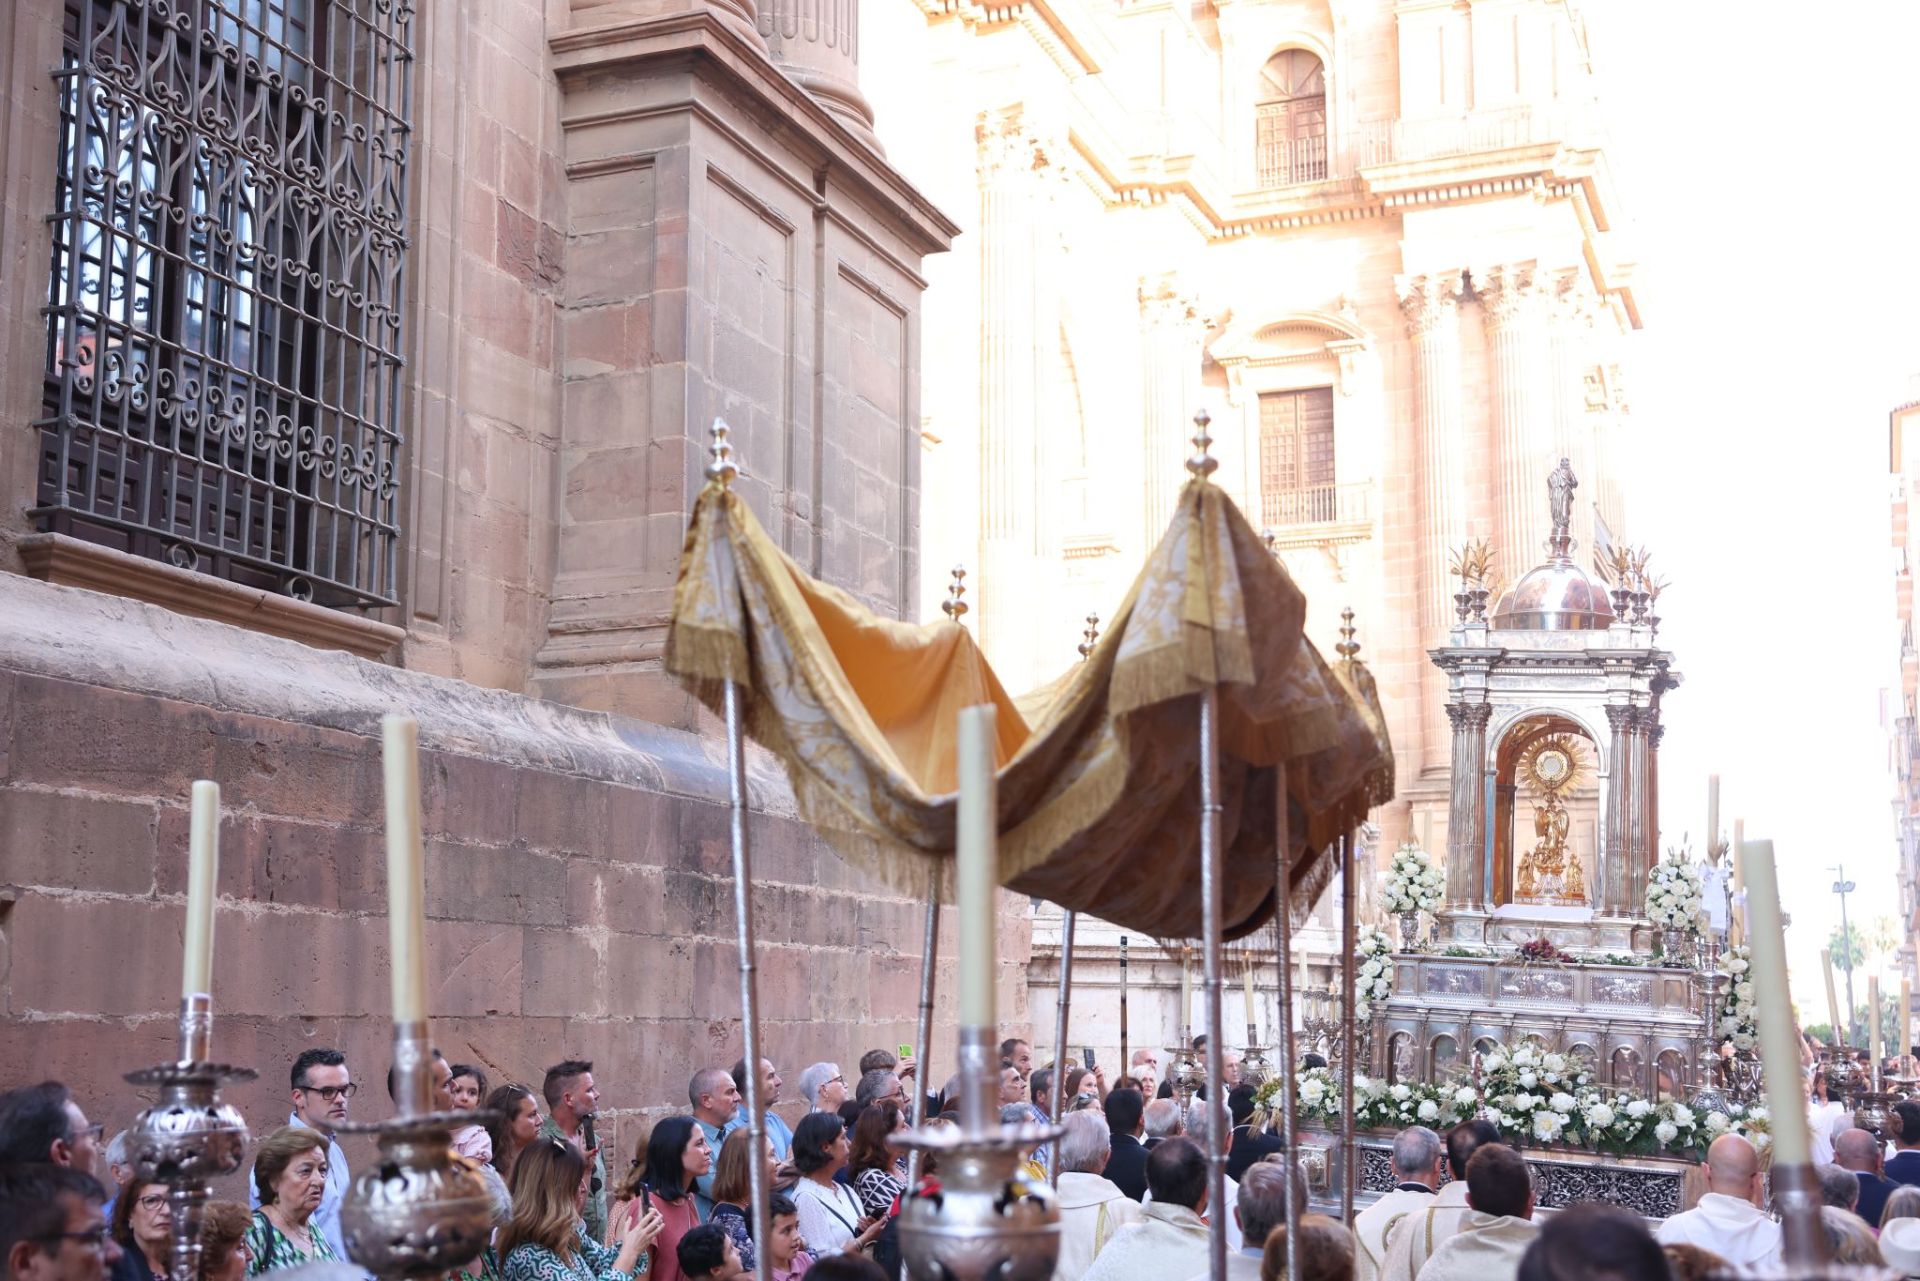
1374, 952
1736, 1024
1674, 895
1413, 883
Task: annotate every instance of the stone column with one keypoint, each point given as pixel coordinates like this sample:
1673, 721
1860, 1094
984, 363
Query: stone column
1567, 343
1655, 732
1431, 304
1637, 840
817, 43
1011, 455
1615, 877
1171, 332
1515, 367
1467, 807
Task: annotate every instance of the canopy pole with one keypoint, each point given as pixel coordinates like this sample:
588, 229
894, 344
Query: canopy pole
1349, 1172
1068, 919
1283, 929
1202, 465
722, 470
955, 608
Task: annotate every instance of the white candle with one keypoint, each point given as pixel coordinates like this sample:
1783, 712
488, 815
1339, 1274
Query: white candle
203, 877
1713, 814
1246, 990
1906, 1022
1773, 1010
1833, 999
1873, 1027
406, 872
976, 864
1186, 997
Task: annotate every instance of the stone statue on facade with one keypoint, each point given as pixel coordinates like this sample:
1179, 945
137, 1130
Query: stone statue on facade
1560, 486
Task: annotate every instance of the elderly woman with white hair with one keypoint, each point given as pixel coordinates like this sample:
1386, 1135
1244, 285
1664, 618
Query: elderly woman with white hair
824, 1087
1092, 1207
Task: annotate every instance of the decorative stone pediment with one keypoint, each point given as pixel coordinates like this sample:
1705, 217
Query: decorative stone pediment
1334, 339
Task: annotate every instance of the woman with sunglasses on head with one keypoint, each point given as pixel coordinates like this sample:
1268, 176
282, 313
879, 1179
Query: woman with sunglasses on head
546, 1239
515, 1125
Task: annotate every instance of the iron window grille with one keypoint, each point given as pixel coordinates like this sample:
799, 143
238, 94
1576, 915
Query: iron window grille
224, 329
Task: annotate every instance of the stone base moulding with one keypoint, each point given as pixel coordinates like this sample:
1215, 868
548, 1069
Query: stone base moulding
71, 562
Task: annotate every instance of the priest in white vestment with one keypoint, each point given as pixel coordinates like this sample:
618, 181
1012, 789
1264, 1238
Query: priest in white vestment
1489, 1245
1170, 1240
1416, 1158
1727, 1221
1093, 1209
1411, 1241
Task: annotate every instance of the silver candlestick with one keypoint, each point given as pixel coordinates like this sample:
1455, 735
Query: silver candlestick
985, 1222
189, 1137
417, 1212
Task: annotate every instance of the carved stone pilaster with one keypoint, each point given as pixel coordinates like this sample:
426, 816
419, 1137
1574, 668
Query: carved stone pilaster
1172, 329
817, 43
1015, 236
1514, 312
1431, 304
1467, 807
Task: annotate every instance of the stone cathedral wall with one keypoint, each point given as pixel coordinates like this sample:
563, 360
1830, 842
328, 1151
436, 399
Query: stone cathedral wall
579, 887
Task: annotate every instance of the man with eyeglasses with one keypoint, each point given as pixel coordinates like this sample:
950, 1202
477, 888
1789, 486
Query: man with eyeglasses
51, 1225
322, 1085
41, 1125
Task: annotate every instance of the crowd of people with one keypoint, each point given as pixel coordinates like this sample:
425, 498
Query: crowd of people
1129, 1167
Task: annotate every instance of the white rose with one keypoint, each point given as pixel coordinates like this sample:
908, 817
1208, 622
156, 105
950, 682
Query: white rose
1494, 1062
1311, 1092
1529, 1078
1562, 1103
1429, 1110
1757, 1116
1547, 1125
1599, 1116
1401, 1093
1682, 1115
1465, 1097
1665, 1133
1716, 1122
1556, 1062
1638, 1108
1736, 966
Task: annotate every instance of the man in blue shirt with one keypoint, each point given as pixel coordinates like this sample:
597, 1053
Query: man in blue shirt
321, 1086
778, 1132
716, 1102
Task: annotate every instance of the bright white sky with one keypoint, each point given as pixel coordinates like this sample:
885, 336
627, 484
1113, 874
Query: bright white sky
1769, 158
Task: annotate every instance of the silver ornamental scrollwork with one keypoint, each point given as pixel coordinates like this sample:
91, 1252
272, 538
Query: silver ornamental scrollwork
1623, 990
1376, 1170
1448, 981
1536, 985
1653, 1193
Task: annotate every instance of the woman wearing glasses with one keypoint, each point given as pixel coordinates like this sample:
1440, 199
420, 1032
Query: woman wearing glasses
142, 1224
290, 1175
824, 1087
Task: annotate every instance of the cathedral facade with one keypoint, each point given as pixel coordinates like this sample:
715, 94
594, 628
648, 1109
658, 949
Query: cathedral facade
1377, 240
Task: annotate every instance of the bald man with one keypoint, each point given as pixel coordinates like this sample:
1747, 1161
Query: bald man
1857, 1150
1727, 1221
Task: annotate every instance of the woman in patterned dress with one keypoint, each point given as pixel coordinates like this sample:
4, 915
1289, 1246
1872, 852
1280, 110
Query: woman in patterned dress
733, 1189
546, 1239
875, 1172
290, 1174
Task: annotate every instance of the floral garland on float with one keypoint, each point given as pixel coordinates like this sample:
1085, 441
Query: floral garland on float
1737, 1027
1674, 897
1413, 886
1533, 1097
1373, 951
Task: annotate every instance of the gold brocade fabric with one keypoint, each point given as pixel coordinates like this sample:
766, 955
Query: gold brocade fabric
1098, 779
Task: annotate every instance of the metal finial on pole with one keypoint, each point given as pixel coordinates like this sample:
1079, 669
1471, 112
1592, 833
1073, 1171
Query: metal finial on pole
1090, 637
1348, 648
721, 466
954, 606
1203, 464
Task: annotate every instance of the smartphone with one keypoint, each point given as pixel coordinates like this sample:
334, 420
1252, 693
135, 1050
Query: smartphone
905, 1051
586, 1134
1086, 1056
646, 1201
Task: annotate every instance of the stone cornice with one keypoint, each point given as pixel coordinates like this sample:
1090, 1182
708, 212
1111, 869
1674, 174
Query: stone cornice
715, 52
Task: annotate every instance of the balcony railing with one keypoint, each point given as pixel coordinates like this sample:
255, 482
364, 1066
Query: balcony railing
1288, 162
1318, 505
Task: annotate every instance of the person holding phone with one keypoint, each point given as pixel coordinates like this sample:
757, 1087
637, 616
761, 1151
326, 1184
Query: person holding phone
546, 1239
831, 1216
677, 1154
572, 1100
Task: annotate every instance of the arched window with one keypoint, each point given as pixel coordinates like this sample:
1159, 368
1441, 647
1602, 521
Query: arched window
1291, 120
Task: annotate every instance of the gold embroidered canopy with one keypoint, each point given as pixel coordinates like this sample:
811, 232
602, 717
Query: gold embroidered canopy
1098, 771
